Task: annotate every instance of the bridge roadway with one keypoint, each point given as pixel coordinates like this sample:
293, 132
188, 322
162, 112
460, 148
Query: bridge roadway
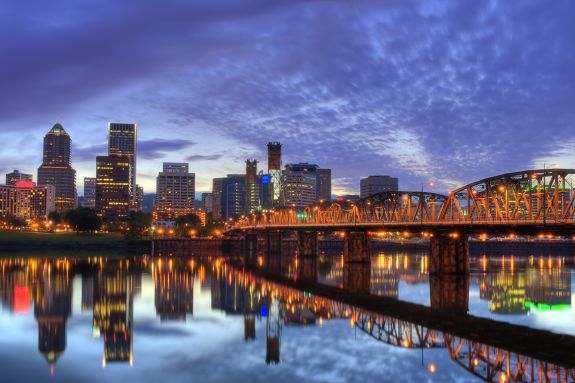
449, 246
538, 344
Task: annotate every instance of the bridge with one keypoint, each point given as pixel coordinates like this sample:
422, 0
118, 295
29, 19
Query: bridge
531, 202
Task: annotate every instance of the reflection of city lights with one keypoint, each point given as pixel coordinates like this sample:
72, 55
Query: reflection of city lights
432, 368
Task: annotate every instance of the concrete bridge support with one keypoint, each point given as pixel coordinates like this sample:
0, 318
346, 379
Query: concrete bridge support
449, 254
356, 247
357, 277
449, 292
273, 241
307, 243
251, 242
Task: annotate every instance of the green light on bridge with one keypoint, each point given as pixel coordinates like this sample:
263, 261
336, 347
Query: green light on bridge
542, 307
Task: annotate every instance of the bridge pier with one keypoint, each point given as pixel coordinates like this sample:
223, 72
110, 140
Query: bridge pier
273, 241
449, 293
449, 254
306, 269
357, 277
356, 247
307, 243
251, 242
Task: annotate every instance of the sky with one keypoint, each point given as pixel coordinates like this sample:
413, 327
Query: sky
443, 91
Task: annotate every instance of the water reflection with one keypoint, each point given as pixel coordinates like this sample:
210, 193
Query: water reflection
523, 285
110, 287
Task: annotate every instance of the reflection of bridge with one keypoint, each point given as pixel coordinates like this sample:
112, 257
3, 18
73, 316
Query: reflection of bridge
528, 202
493, 351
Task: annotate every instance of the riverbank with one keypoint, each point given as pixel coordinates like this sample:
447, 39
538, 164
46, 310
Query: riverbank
24, 241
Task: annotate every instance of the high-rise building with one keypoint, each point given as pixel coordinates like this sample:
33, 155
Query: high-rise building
25, 200
12, 178
89, 198
139, 197
377, 184
207, 202
232, 192
113, 178
56, 168
301, 184
217, 191
324, 184
175, 191
122, 140
252, 190
275, 172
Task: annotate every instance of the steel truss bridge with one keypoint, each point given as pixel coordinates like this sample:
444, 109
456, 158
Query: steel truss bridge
487, 362
543, 197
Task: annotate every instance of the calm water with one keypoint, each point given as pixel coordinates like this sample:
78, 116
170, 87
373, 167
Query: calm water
124, 319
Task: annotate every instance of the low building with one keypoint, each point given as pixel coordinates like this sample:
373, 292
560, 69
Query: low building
25, 200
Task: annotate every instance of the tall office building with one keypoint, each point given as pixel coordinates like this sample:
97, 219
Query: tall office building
275, 172
252, 190
324, 184
301, 184
217, 186
56, 168
122, 140
12, 178
207, 202
89, 199
175, 191
377, 184
229, 196
113, 179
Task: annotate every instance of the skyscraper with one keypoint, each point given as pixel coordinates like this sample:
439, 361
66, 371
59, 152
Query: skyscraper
274, 170
377, 184
233, 196
122, 140
252, 190
217, 191
56, 168
16, 175
175, 191
301, 185
113, 177
324, 184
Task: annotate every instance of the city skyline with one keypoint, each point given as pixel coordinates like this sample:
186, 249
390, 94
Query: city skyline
459, 92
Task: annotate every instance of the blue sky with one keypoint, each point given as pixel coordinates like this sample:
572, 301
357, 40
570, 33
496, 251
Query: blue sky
450, 91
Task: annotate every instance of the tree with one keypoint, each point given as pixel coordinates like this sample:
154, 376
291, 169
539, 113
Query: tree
83, 219
138, 224
55, 217
187, 223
